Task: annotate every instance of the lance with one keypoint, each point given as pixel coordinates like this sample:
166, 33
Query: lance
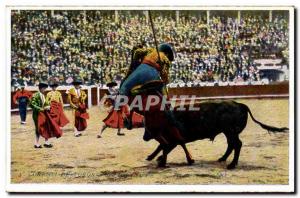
156, 46
153, 31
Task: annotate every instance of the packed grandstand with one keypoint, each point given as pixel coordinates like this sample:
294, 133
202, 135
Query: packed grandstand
95, 45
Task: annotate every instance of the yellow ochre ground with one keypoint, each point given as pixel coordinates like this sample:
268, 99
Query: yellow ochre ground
121, 159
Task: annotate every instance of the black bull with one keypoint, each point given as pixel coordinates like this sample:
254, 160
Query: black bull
213, 118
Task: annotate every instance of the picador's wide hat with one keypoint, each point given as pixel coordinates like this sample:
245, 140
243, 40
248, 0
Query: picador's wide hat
43, 85
167, 50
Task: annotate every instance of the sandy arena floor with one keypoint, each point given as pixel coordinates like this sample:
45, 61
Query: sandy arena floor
121, 159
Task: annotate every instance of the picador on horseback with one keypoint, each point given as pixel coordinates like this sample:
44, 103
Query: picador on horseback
150, 78
148, 72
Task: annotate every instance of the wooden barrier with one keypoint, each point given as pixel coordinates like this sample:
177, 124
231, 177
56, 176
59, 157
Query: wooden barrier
243, 90
234, 91
94, 91
274, 90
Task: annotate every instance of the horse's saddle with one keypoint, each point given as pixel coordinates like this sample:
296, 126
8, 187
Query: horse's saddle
152, 86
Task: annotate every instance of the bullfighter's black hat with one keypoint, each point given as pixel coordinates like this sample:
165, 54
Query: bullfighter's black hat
111, 84
43, 85
54, 84
77, 81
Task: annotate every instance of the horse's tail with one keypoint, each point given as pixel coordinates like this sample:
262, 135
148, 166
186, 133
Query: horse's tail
264, 126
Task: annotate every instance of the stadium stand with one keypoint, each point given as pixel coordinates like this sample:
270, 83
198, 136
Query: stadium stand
96, 45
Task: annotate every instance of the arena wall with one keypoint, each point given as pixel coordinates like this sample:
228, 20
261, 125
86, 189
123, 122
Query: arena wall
237, 91
208, 92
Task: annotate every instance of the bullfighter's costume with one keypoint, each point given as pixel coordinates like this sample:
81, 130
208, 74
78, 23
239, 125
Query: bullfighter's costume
149, 70
77, 97
22, 98
115, 118
55, 100
45, 126
153, 68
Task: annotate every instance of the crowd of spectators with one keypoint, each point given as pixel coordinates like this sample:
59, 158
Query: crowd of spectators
96, 45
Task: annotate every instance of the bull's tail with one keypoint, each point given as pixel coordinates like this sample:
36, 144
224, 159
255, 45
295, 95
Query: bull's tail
264, 126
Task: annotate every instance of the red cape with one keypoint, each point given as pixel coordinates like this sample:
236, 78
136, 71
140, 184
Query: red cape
80, 117
57, 114
47, 126
115, 118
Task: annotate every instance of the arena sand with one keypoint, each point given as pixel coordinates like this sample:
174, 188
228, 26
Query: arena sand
121, 159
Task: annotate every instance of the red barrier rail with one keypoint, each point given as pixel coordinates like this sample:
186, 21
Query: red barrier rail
209, 92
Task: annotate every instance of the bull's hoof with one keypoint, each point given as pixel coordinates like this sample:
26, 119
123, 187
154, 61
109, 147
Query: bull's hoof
221, 159
160, 158
161, 162
149, 158
231, 166
191, 162
161, 166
